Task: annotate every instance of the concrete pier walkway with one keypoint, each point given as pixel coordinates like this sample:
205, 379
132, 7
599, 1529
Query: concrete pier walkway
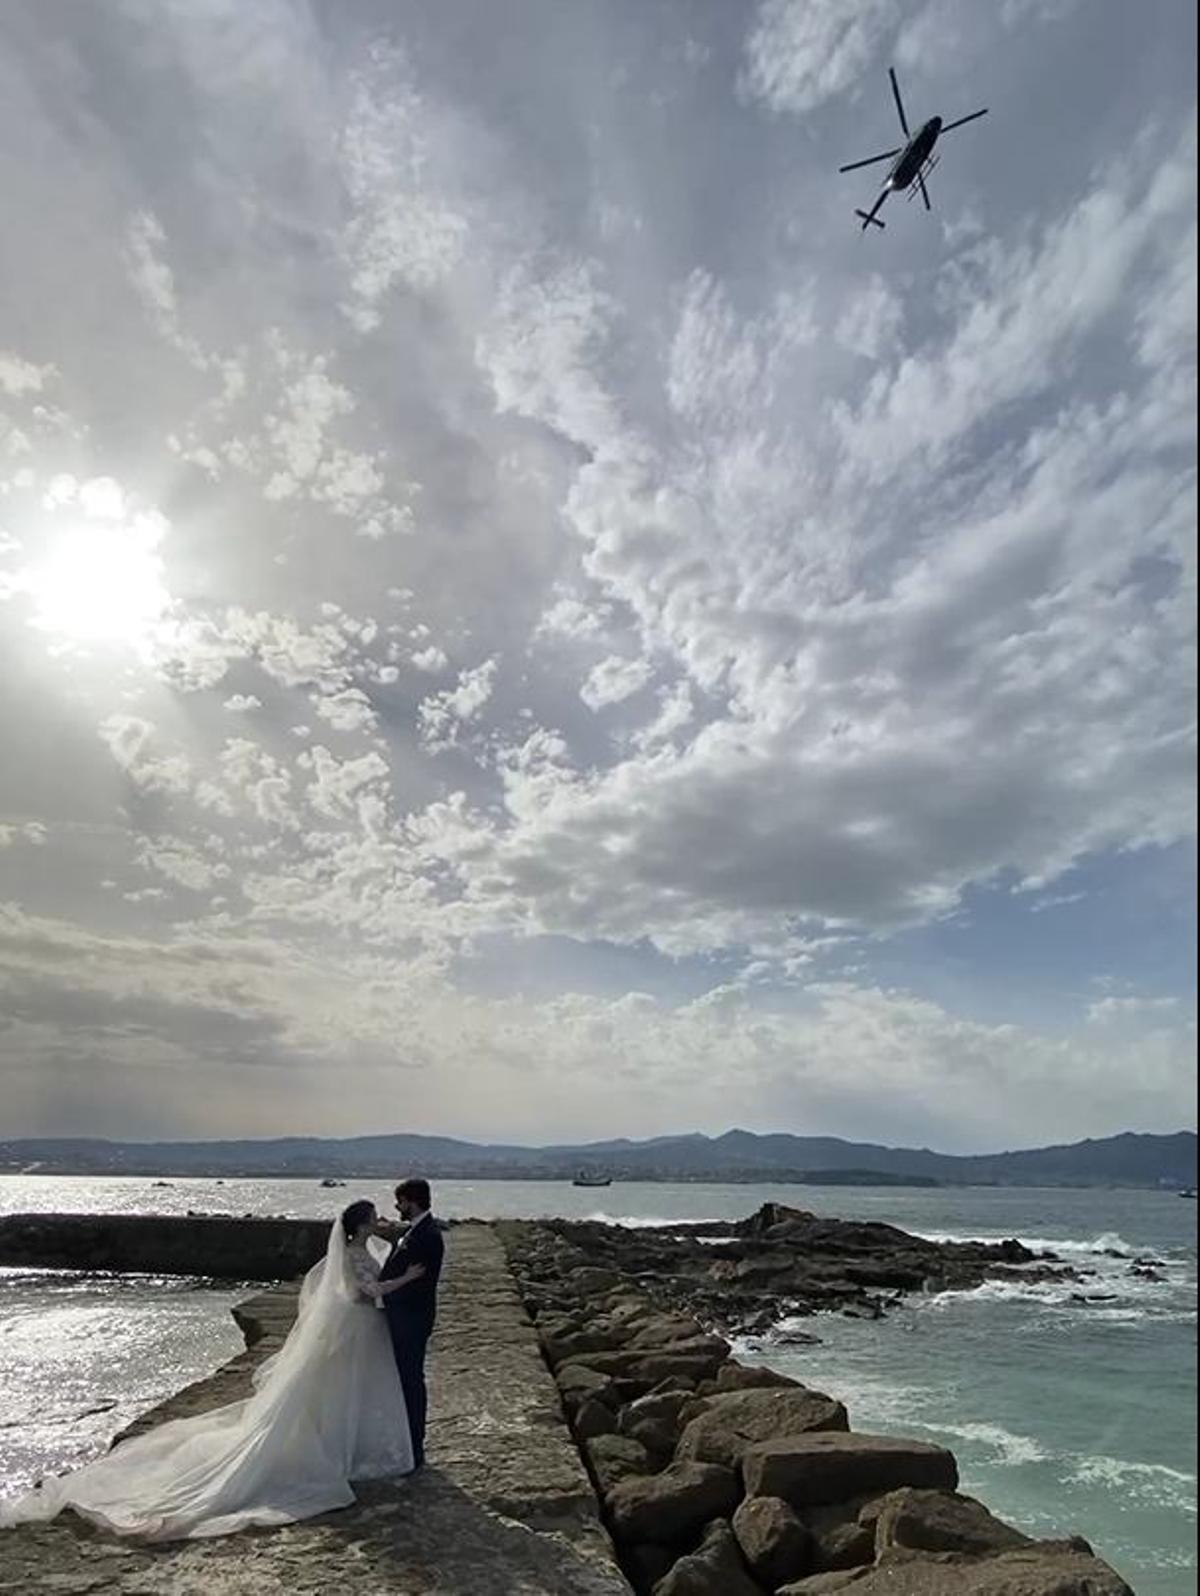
503, 1508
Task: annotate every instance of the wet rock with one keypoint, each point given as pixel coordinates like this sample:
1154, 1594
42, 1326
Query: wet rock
670, 1507
715, 1568
774, 1541
736, 1420
832, 1467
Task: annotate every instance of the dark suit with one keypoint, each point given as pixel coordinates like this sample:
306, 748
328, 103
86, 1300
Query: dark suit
411, 1313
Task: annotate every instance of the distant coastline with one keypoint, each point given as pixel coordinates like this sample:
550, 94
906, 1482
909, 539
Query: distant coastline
1128, 1160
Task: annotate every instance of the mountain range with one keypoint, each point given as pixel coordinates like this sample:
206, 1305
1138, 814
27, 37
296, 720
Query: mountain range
1128, 1159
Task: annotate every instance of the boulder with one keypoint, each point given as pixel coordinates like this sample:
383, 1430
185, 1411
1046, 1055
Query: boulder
576, 1384
663, 1406
775, 1543
843, 1546
715, 1568
564, 1346
615, 1458
664, 1330
668, 1508
1027, 1571
647, 1564
733, 1376
593, 1418
821, 1584
698, 1359
658, 1436
941, 1521
592, 1282
739, 1419
831, 1467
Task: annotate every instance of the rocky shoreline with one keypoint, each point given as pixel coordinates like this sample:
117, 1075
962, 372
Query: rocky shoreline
587, 1401
743, 1277
717, 1479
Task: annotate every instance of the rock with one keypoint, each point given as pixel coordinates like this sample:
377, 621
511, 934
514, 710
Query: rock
844, 1546
576, 1384
733, 1376
663, 1406
647, 1564
773, 1540
564, 1346
941, 1521
715, 1568
738, 1419
593, 1418
591, 1282
674, 1382
656, 1435
821, 1584
698, 1359
615, 1458
831, 1467
664, 1330
669, 1507
1027, 1571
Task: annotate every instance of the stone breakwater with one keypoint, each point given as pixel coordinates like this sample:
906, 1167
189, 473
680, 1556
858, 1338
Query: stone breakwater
504, 1508
716, 1479
215, 1246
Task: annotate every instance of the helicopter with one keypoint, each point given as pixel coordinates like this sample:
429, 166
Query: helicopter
915, 159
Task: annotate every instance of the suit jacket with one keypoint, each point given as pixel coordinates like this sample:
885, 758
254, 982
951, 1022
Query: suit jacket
422, 1245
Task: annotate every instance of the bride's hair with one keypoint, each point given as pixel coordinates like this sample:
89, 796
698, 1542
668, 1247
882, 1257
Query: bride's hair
357, 1213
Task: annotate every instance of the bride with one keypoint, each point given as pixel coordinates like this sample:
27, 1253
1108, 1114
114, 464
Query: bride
325, 1410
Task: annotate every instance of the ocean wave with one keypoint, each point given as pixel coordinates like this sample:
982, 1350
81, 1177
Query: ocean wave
1155, 1483
1012, 1450
630, 1222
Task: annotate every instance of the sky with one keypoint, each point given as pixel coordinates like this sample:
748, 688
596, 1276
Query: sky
519, 621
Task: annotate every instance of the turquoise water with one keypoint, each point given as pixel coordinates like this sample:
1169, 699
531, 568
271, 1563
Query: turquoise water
1065, 1417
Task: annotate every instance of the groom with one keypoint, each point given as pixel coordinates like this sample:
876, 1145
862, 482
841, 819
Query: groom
412, 1309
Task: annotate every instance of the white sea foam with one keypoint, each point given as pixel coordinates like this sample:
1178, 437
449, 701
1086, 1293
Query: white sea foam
1011, 1450
1147, 1482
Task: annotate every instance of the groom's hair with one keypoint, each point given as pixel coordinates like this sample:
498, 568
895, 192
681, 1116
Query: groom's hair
415, 1191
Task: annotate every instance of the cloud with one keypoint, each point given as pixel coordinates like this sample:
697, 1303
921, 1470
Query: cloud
613, 680
656, 611
443, 714
801, 52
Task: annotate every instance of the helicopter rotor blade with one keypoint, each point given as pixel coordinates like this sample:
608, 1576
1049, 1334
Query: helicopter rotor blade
948, 127
899, 102
871, 159
924, 190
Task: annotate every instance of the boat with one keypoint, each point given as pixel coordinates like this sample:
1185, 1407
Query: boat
1189, 1191
584, 1178
329, 1182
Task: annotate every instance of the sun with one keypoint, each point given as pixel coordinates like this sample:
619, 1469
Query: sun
100, 576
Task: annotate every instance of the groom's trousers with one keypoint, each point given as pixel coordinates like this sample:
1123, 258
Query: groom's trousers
410, 1334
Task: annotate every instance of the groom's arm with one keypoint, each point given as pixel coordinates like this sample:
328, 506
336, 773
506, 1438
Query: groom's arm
384, 1288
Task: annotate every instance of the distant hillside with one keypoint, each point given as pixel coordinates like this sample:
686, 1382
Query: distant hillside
737, 1156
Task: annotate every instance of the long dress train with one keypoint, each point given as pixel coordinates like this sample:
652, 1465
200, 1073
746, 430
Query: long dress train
326, 1409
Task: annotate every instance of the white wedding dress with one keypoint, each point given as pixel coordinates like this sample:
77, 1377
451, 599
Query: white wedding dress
326, 1409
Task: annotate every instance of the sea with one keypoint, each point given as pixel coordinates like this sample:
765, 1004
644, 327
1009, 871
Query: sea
1066, 1415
